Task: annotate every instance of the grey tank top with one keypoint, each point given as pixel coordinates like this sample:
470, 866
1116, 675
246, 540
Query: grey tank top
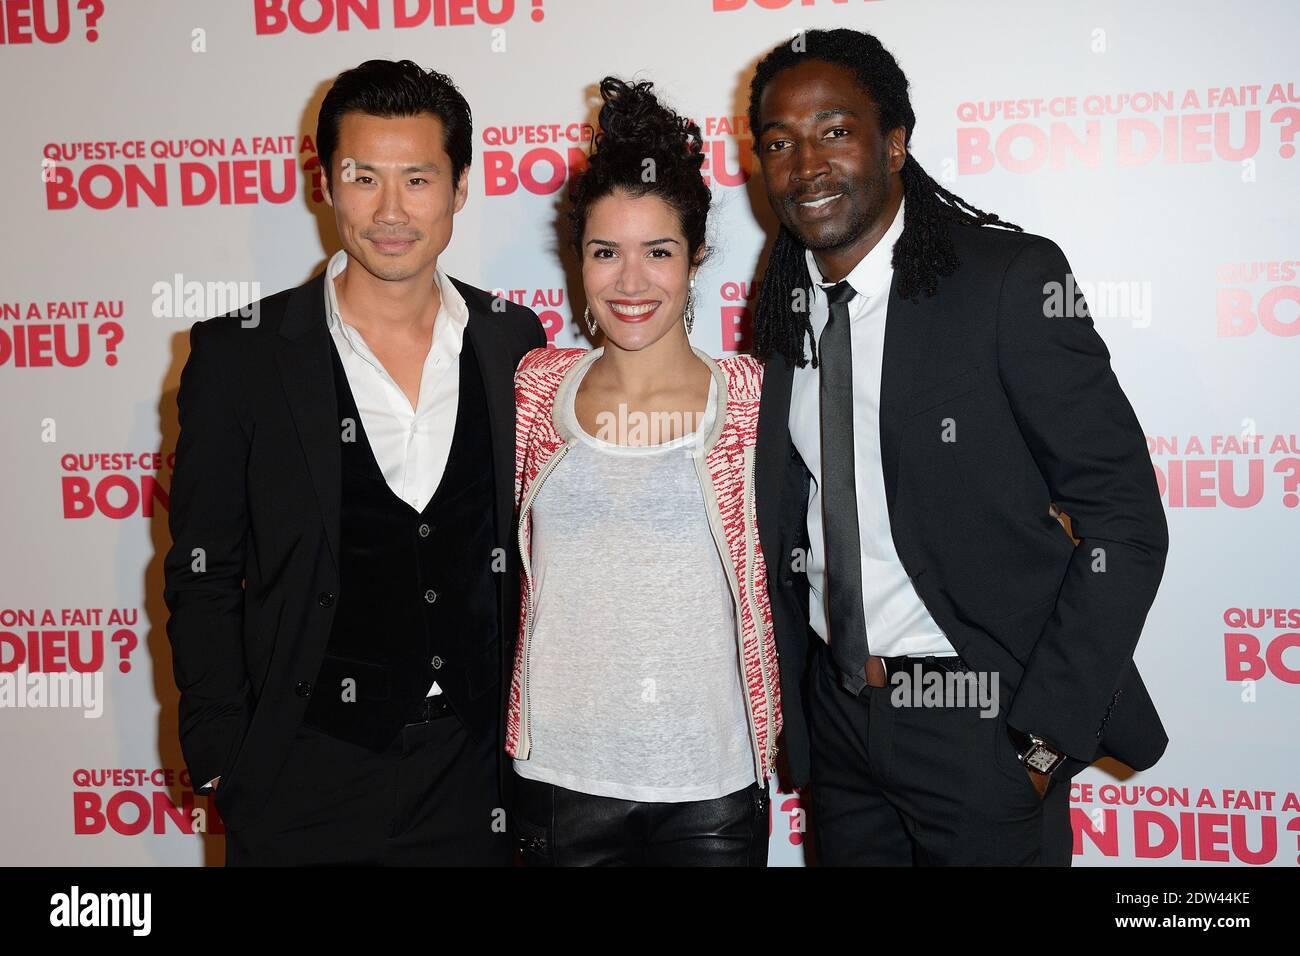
634, 680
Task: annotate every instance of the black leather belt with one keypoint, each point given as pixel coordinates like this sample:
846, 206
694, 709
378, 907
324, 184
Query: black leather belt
928, 663
878, 671
430, 708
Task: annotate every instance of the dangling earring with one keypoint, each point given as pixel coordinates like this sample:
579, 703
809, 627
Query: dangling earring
689, 313
591, 323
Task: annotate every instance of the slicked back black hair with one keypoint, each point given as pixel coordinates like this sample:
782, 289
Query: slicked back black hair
391, 89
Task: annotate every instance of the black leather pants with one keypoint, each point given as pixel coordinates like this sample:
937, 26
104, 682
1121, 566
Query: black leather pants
558, 827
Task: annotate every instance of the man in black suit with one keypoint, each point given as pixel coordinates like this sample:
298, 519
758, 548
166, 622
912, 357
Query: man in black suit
908, 484
342, 575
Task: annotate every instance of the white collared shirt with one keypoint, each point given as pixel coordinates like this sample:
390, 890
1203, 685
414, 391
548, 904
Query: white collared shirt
898, 622
411, 445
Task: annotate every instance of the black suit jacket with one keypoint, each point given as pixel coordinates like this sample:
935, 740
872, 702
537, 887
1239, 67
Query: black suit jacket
1038, 418
256, 487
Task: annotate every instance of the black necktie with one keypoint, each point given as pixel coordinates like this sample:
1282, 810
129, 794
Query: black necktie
848, 626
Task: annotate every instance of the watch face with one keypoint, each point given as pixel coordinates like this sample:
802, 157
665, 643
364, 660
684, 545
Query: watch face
1039, 758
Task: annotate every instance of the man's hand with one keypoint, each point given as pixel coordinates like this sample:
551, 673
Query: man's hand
1020, 742
1041, 781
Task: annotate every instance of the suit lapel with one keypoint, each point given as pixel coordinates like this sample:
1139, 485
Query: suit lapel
498, 386
306, 372
906, 352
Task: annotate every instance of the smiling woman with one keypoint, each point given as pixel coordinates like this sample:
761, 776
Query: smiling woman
645, 686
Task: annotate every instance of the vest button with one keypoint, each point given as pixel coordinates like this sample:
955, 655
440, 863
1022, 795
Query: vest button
424, 531
303, 689
430, 595
437, 663
325, 599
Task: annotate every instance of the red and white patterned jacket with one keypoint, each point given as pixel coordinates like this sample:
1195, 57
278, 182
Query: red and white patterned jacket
726, 470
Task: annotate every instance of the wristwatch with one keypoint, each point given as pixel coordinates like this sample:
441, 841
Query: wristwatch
1035, 753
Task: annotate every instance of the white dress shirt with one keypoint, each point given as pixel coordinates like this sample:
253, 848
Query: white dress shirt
410, 444
898, 622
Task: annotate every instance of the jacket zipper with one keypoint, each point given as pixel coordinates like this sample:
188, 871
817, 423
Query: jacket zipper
719, 540
751, 536
525, 744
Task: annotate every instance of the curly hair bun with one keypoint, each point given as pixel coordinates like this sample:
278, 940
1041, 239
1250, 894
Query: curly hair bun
644, 148
634, 123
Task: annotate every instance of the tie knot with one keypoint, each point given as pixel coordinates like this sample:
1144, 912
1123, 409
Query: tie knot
840, 293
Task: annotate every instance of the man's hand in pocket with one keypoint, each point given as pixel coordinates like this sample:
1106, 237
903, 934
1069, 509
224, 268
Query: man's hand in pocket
1041, 781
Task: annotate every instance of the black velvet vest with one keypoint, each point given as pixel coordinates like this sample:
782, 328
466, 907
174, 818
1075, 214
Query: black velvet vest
414, 588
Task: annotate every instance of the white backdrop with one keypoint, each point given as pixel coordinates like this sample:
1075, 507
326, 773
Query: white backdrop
151, 145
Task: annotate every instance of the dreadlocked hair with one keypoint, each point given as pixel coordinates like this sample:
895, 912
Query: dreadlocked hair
643, 148
923, 252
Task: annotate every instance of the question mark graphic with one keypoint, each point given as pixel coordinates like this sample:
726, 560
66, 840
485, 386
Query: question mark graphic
96, 10
1291, 116
129, 642
1294, 825
113, 333
1289, 483
313, 165
793, 810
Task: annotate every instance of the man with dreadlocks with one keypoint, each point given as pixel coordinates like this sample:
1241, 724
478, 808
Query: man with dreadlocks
927, 412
